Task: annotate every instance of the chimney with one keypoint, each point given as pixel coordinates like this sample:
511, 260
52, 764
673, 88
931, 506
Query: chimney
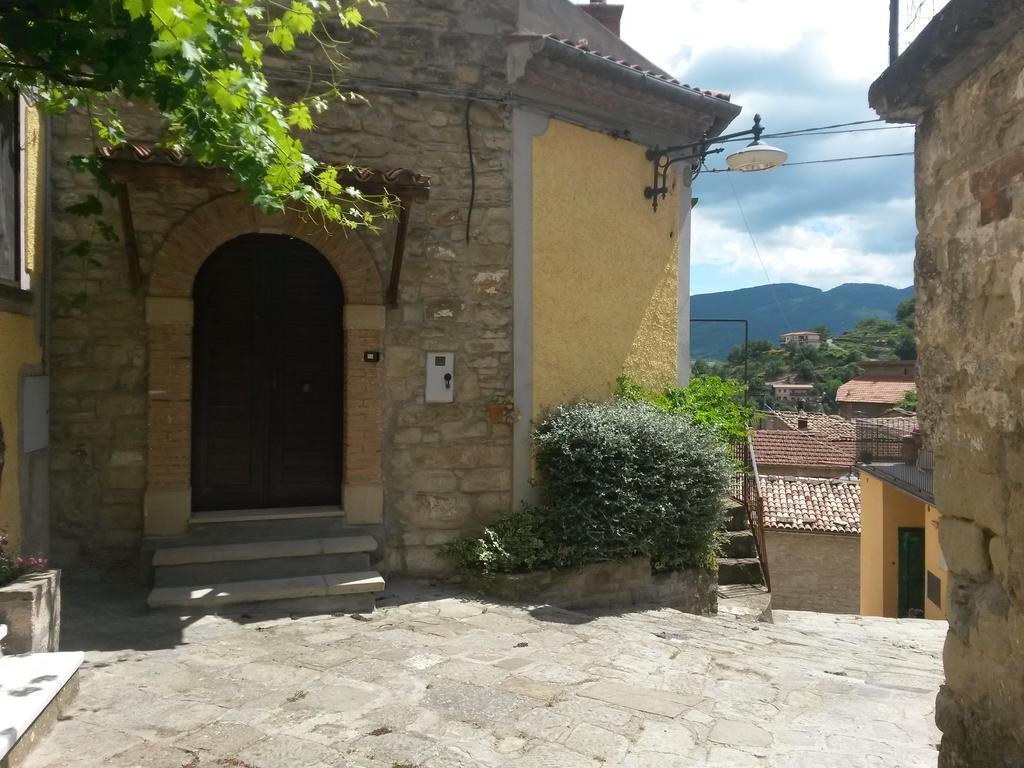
609, 15
801, 422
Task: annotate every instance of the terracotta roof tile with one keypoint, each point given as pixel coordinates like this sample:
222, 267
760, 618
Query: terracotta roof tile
811, 505
584, 45
832, 428
875, 389
797, 449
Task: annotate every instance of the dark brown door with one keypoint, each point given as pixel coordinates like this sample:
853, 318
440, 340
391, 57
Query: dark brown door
267, 388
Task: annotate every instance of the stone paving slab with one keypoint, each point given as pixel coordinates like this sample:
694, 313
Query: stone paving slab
437, 680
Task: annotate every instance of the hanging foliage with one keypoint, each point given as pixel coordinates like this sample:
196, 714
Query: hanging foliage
201, 62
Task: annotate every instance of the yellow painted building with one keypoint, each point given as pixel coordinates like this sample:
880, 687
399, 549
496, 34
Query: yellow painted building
604, 289
21, 265
902, 572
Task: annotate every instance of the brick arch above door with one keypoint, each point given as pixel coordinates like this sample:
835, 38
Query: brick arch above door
209, 226
169, 316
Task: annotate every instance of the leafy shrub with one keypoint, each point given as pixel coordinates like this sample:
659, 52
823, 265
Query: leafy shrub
12, 568
624, 479
617, 480
514, 544
709, 400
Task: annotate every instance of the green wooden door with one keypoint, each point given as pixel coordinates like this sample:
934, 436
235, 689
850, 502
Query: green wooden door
911, 573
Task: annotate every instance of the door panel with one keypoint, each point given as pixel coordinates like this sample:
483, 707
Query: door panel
911, 573
267, 379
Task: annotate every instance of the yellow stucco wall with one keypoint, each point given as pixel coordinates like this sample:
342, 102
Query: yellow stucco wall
604, 267
884, 509
934, 561
19, 342
18, 348
871, 538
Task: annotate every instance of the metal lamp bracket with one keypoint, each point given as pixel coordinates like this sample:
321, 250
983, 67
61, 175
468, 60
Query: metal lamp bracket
665, 158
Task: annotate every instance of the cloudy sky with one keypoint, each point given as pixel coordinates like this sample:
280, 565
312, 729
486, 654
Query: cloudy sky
800, 64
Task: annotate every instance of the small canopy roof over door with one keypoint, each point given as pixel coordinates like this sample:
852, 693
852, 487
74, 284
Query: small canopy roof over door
135, 162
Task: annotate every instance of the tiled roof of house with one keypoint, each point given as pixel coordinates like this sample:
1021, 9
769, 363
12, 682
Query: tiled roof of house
797, 448
875, 389
811, 505
832, 428
802, 333
584, 46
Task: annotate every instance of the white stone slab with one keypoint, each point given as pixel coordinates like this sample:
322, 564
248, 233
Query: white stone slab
28, 684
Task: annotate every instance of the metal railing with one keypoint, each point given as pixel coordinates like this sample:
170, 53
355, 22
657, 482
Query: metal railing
894, 450
746, 489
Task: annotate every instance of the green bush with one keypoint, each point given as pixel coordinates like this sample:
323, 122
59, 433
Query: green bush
514, 544
617, 480
624, 479
709, 400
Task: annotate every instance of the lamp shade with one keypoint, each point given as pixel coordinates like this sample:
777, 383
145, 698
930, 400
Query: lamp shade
756, 157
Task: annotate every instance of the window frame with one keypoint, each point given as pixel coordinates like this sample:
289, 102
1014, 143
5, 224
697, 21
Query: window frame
20, 282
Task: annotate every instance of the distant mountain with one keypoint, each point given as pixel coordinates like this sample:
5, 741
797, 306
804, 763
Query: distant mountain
774, 309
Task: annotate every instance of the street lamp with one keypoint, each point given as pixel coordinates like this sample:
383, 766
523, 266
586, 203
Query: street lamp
753, 157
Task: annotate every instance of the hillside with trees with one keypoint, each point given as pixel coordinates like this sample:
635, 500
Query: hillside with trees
837, 360
771, 310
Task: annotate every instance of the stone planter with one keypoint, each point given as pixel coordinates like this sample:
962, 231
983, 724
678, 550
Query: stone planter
606, 585
30, 607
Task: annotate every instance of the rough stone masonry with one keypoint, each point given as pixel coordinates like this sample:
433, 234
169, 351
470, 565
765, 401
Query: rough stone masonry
447, 470
962, 82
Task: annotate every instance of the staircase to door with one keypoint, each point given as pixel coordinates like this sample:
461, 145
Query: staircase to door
267, 530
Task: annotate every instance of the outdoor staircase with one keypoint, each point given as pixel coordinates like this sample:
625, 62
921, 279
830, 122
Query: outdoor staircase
268, 561
742, 592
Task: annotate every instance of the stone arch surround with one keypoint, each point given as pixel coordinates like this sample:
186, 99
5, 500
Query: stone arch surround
169, 314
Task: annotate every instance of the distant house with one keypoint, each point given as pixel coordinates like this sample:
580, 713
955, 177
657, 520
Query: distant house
800, 339
812, 538
872, 394
800, 453
906, 369
830, 427
789, 392
903, 573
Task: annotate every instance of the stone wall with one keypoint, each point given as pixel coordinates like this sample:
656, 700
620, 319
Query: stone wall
446, 468
814, 571
606, 585
970, 320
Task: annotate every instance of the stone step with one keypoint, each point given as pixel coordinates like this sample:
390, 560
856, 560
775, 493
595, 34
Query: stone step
262, 550
34, 689
745, 602
736, 518
220, 563
740, 544
213, 530
739, 570
333, 592
261, 569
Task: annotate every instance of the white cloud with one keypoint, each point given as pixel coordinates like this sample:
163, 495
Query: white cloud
800, 63
675, 33
823, 251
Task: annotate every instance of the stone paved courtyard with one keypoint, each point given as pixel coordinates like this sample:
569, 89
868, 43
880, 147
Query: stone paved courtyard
434, 680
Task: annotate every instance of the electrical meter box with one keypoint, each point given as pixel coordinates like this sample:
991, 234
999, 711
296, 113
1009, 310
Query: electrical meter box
440, 377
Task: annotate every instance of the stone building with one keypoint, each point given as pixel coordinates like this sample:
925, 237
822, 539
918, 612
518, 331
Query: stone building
812, 535
230, 375
962, 83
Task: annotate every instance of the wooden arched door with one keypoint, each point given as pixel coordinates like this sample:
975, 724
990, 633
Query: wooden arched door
267, 378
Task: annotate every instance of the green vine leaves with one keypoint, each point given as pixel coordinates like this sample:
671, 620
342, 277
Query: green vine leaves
201, 63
